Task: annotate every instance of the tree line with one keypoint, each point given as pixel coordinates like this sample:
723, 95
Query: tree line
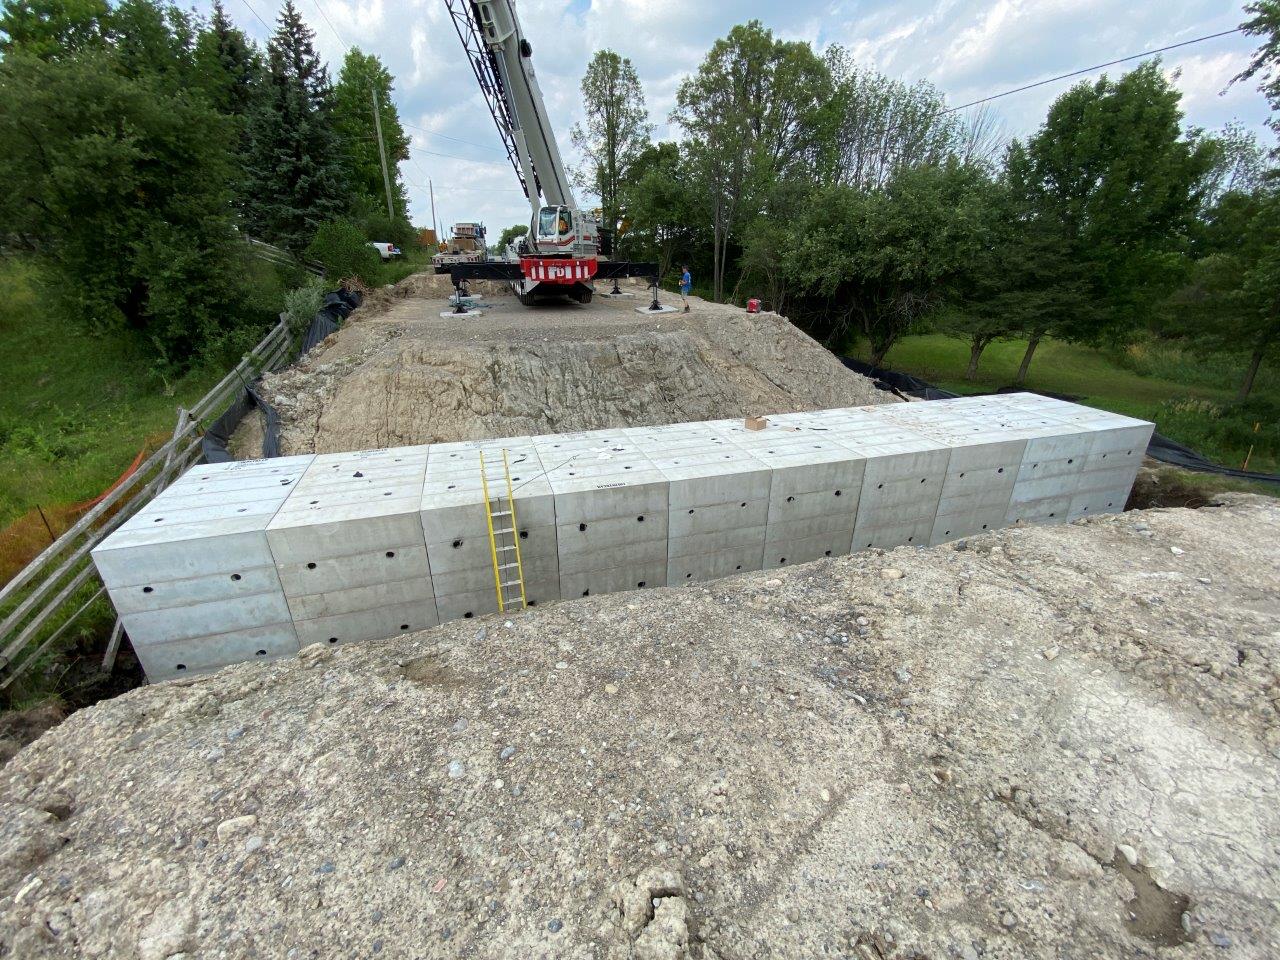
140, 144
862, 206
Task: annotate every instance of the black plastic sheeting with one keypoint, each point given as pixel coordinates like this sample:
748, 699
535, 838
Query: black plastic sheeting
215, 444
1161, 447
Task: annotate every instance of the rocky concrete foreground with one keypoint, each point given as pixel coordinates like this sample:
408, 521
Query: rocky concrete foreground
1045, 743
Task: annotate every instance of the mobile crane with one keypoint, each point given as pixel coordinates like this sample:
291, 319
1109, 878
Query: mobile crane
561, 256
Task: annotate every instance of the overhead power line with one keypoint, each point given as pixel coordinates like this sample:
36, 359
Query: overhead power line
445, 136
1100, 66
331, 26
256, 14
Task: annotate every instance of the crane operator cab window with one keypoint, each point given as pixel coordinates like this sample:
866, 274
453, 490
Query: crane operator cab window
554, 222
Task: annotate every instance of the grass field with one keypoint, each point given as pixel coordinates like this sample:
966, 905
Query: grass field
76, 409
1192, 400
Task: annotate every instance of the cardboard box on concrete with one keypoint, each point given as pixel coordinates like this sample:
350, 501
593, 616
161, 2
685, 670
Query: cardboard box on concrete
252, 560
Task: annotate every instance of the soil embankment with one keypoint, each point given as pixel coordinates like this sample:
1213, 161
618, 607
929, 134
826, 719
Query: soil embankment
398, 373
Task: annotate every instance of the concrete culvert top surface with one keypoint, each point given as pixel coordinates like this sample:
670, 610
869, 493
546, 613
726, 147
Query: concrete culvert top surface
398, 373
1041, 743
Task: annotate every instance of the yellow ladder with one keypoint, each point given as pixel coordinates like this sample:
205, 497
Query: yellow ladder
504, 540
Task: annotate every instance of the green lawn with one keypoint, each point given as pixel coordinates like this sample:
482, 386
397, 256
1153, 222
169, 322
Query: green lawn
1191, 400
75, 409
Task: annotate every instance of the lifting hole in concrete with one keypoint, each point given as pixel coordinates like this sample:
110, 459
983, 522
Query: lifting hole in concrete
879, 486
533, 603
390, 554
743, 503
468, 615
404, 626
1053, 514
641, 584
738, 567
333, 639
157, 519
235, 576
148, 589
691, 513
260, 653
962, 476
839, 493
791, 499
827, 553
524, 534
179, 666
586, 593
457, 544
451, 487
314, 502
947, 533
311, 566
1000, 470
782, 559
984, 526
688, 576
923, 479
582, 527
1072, 460
639, 519
909, 539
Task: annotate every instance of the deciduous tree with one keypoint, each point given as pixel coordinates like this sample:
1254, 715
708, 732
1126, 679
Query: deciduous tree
616, 131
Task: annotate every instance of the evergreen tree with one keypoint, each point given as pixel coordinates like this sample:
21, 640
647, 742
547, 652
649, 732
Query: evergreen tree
51, 29
361, 75
229, 66
293, 169
229, 70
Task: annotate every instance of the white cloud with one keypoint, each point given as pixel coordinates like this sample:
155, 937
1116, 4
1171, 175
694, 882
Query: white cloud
969, 48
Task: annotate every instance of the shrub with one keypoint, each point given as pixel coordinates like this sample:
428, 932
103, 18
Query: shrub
302, 303
341, 248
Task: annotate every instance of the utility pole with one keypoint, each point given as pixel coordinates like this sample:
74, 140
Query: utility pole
435, 226
382, 154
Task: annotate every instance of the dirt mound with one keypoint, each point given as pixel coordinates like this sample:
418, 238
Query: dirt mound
945, 753
400, 373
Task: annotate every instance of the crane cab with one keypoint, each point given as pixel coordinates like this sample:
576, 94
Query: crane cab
564, 230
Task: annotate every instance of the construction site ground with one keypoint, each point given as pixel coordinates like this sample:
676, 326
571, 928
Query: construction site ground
1042, 743
1046, 742
398, 373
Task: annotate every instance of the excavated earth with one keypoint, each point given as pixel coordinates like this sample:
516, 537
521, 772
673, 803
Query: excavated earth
1055, 742
398, 373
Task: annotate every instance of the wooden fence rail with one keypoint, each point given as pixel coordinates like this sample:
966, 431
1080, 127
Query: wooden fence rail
55, 589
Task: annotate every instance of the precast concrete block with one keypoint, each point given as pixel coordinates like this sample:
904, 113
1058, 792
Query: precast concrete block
838, 502
163, 594
478, 603
691, 521
538, 550
629, 576
368, 624
612, 533
702, 567
721, 541
345, 530
787, 553
355, 599
544, 570
584, 500
900, 496
977, 488
354, 570
624, 554
184, 658
714, 478
195, 620
819, 525
459, 514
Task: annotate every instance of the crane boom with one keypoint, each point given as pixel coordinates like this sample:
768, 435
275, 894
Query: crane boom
563, 240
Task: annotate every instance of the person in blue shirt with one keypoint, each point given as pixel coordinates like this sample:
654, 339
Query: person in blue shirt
686, 284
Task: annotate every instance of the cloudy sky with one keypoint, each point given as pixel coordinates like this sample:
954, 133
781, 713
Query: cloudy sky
968, 48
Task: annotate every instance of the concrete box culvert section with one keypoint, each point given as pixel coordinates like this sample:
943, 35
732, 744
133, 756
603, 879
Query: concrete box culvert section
254, 560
